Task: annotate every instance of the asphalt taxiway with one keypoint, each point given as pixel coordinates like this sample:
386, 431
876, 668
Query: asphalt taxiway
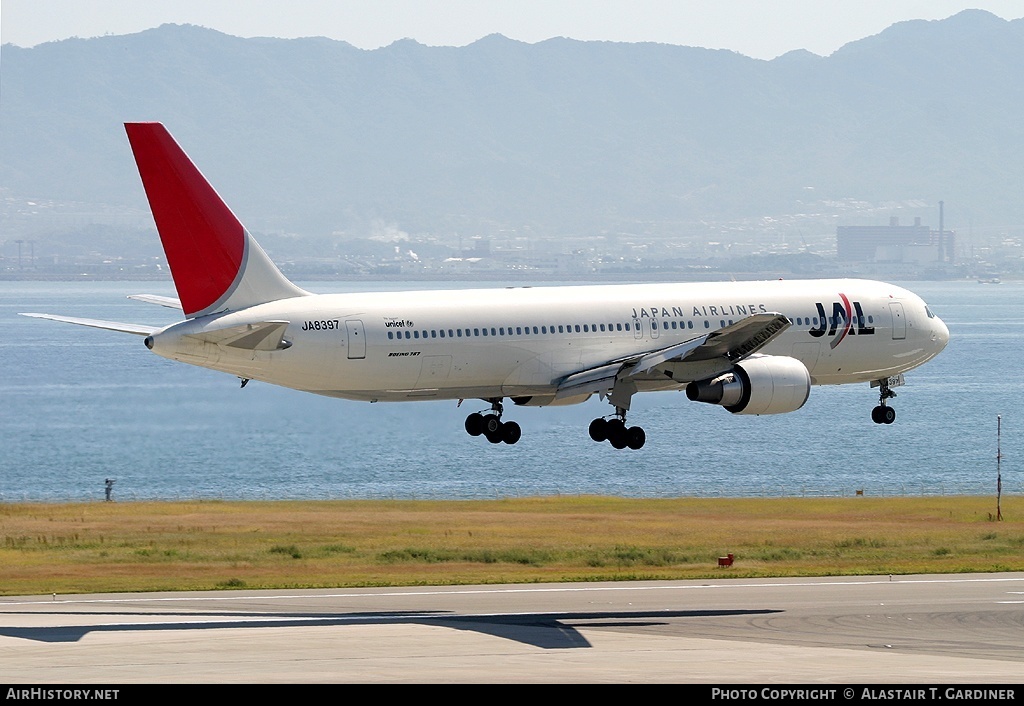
905, 629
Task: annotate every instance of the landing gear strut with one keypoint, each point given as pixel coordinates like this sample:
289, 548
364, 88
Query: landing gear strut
616, 432
491, 427
883, 413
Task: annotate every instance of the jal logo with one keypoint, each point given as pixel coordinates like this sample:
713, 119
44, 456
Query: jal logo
841, 323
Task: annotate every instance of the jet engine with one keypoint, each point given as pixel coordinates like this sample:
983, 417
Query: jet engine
761, 384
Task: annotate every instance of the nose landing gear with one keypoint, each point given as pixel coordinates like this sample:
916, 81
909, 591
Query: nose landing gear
491, 427
883, 413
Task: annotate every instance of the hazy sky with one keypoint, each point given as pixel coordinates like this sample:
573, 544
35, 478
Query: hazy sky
759, 28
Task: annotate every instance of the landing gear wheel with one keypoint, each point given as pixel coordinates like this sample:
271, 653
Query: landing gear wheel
492, 424
883, 414
616, 431
636, 437
495, 437
618, 440
510, 433
475, 424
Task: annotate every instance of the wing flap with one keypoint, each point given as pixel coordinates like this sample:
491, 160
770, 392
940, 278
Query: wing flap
589, 381
678, 351
137, 329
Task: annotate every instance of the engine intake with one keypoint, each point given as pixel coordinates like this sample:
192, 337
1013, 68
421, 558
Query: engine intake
763, 384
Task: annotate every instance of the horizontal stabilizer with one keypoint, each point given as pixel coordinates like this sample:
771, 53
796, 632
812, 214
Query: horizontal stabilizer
169, 302
137, 329
263, 336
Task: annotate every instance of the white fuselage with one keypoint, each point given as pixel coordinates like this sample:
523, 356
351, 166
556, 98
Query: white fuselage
522, 342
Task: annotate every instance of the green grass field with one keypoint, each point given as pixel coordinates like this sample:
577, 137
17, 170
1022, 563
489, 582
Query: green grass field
171, 546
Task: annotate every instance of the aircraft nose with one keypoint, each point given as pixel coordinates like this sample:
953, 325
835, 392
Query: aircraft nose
939, 333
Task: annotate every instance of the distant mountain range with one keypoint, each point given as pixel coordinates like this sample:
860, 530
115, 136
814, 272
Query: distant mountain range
562, 137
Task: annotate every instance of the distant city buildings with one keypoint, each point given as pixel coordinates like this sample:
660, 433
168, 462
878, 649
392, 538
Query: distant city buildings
917, 244
64, 242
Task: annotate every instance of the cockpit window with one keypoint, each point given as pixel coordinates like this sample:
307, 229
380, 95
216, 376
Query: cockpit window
928, 311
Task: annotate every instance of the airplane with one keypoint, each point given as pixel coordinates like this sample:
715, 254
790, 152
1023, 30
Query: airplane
750, 347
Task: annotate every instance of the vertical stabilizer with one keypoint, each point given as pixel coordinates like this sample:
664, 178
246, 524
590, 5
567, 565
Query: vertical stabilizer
216, 264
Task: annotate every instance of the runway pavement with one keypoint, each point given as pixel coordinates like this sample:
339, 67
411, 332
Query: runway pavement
956, 629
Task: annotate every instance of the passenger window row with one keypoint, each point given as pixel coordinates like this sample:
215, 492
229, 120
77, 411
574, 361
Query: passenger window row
495, 331
539, 330
831, 320
511, 331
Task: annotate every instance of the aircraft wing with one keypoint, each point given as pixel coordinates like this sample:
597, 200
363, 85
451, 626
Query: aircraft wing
137, 329
170, 302
697, 358
741, 339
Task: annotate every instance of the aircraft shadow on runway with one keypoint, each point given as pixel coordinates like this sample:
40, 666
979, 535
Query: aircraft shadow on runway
544, 630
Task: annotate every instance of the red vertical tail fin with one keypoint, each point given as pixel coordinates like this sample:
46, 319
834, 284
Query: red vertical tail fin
216, 264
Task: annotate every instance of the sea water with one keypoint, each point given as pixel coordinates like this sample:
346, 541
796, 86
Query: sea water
79, 406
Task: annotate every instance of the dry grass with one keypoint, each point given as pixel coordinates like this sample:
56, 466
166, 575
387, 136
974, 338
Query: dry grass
158, 546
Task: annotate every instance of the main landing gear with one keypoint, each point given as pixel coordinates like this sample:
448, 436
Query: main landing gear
616, 432
491, 427
883, 413
613, 429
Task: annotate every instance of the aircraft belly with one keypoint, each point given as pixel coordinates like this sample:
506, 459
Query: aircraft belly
194, 352
307, 372
323, 366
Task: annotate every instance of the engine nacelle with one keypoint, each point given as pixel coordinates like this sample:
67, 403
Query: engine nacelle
761, 384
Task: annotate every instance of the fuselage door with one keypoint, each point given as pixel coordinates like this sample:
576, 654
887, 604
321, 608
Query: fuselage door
899, 321
356, 338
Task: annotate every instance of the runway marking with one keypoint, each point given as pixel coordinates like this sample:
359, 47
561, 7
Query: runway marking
524, 589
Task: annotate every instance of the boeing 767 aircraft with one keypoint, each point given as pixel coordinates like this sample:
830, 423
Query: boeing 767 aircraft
750, 347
